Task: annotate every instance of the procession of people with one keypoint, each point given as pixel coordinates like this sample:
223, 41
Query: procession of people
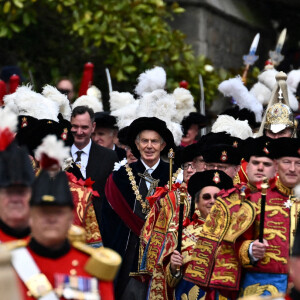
135, 203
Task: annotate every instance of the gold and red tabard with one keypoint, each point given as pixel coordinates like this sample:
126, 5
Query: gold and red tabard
84, 213
281, 214
214, 262
160, 230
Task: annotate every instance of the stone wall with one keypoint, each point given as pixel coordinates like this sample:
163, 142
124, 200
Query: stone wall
222, 30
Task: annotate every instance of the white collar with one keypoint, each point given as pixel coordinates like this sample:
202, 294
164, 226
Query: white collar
152, 168
85, 150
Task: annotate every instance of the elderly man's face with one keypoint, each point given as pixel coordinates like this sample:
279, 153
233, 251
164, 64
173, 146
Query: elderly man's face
288, 169
150, 144
188, 170
104, 137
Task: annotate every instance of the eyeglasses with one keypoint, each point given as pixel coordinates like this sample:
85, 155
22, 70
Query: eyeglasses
208, 196
186, 166
216, 167
64, 91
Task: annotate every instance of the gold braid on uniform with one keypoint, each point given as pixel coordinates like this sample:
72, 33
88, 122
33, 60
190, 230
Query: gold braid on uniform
244, 254
172, 280
283, 189
144, 203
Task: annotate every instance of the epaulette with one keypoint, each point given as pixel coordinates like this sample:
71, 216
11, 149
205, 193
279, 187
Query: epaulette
76, 234
14, 244
104, 263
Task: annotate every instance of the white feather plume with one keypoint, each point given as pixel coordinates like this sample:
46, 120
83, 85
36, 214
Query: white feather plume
126, 115
297, 191
293, 102
176, 130
95, 92
53, 148
293, 79
261, 92
235, 128
90, 101
9, 101
184, 104
151, 80
235, 88
8, 119
118, 100
51, 92
268, 78
33, 104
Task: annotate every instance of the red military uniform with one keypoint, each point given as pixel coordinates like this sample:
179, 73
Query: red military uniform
66, 265
8, 234
279, 229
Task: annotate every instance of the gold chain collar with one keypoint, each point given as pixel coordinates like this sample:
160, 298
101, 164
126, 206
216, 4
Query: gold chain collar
144, 203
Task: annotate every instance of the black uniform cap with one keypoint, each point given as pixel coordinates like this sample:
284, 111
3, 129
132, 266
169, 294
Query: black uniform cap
15, 167
53, 191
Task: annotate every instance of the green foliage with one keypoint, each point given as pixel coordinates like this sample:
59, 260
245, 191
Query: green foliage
127, 36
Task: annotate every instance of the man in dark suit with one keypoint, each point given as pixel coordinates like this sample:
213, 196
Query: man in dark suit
91, 160
126, 208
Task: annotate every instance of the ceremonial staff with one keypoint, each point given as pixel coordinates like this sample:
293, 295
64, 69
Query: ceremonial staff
180, 221
264, 188
276, 56
202, 102
171, 156
250, 58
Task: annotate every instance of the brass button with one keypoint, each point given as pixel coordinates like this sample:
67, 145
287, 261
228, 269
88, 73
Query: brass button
75, 263
73, 272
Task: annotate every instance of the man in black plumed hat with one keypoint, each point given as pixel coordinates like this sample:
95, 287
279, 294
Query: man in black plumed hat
126, 208
105, 133
59, 268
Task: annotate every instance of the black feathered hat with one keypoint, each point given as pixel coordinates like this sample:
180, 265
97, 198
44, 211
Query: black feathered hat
105, 120
153, 123
193, 118
186, 154
256, 147
54, 191
284, 146
215, 178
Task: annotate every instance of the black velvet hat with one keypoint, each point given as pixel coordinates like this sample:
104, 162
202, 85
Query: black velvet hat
215, 178
54, 191
15, 167
222, 138
186, 154
153, 123
289, 147
193, 118
222, 153
105, 120
122, 135
256, 147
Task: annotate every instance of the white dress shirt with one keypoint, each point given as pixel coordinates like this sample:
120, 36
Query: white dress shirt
84, 156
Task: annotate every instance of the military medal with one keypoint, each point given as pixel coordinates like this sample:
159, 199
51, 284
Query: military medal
64, 134
24, 122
